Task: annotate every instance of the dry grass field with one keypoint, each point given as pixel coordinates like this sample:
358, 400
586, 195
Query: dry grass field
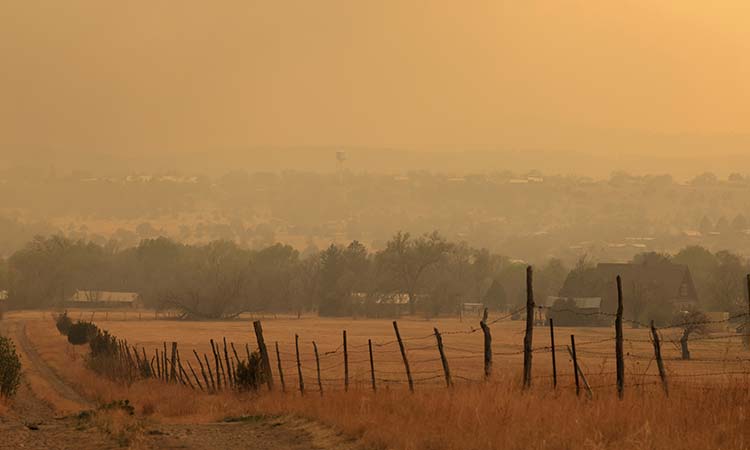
706, 409
716, 357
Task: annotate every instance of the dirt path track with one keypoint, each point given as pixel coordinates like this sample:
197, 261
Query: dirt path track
36, 424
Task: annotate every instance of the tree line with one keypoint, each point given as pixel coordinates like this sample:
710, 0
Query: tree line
222, 278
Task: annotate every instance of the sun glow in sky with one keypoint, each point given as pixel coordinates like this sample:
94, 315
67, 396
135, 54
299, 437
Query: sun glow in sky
144, 76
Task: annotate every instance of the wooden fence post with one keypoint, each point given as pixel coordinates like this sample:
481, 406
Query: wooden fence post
229, 366
372, 366
198, 381
346, 365
263, 354
164, 362
158, 364
234, 350
528, 337
216, 363
210, 374
233, 371
487, 346
577, 370
659, 362
552, 346
281, 370
317, 366
443, 359
618, 342
746, 330
299, 366
221, 369
403, 355
183, 374
575, 363
173, 374
203, 371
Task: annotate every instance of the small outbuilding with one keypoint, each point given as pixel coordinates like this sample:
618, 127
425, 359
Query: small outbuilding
105, 299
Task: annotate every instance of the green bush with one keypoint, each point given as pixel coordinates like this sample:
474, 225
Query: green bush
81, 333
63, 323
10, 368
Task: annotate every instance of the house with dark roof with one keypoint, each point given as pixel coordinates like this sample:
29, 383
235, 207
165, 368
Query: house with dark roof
659, 282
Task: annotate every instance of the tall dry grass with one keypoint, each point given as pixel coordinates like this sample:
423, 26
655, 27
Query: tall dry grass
500, 416
496, 415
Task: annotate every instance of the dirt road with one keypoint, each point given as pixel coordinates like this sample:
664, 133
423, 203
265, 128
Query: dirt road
35, 423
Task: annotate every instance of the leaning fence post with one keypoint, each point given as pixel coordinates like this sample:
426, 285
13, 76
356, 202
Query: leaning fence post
224, 381
158, 364
443, 359
203, 371
575, 363
659, 362
183, 373
487, 346
195, 376
299, 366
229, 366
146, 362
577, 370
317, 366
210, 374
281, 370
173, 373
403, 355
263, 354
216, 364
164, 362
346, 365
618, 341
236, 356
528, 337
372, 366
552, 346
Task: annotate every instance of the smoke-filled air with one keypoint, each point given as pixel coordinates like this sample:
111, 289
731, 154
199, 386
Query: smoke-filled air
355, 225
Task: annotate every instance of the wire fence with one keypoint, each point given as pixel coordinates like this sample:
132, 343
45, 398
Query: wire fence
462, 356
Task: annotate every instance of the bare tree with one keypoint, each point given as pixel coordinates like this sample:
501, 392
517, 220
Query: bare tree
691, 322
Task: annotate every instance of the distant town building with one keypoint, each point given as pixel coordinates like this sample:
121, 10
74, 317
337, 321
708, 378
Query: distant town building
391, 305
469, 309
104, 298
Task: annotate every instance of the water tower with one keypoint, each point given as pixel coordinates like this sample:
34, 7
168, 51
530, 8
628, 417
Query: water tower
341, 158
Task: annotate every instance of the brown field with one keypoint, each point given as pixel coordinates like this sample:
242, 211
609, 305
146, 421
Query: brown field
705, 409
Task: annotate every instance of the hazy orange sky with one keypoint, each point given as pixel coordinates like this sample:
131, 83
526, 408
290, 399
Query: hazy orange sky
143, 76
